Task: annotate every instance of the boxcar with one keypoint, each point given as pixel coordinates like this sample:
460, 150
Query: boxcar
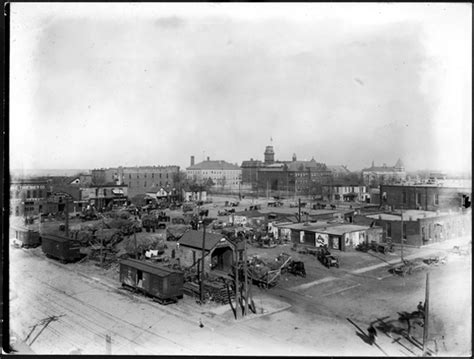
162, 283
61, 247
26, 237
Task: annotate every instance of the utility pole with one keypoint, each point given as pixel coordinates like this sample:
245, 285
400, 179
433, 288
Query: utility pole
67, 216
299, 210
201, 282
135, 240
246, 287
426, 312
401, 232
238, 306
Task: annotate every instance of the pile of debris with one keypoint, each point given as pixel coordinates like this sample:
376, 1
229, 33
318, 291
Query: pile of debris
140, 243
175, 231
214, 290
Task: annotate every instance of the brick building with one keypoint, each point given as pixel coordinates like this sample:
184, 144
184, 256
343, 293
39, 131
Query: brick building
224, 175
139, 180
295, 177
345, 193
28, 197
420, 227
375, 175
424, 197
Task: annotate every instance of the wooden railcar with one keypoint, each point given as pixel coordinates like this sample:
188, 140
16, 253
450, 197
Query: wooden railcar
162, 283
26, 237
61, 247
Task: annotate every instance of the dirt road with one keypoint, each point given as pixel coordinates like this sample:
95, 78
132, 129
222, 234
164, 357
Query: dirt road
57, 311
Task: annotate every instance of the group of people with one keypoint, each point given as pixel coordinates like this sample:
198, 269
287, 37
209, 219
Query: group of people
372, 333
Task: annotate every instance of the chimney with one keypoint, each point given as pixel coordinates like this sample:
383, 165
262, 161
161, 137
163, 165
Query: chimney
208, 158
192, 160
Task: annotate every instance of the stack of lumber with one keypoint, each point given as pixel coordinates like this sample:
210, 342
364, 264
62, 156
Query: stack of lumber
215, 291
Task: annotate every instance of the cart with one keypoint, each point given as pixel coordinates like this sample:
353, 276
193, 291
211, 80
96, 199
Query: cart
327, 259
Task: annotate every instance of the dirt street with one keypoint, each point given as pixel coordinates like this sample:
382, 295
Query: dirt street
323, 317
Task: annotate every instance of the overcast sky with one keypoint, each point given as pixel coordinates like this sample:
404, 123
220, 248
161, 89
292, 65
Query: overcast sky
101, 85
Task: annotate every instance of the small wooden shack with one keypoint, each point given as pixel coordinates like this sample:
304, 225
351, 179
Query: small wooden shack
61, 247
160, 282
26, 237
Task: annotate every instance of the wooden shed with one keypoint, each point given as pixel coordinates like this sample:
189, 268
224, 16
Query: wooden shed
163, 283
26, 237
61, 247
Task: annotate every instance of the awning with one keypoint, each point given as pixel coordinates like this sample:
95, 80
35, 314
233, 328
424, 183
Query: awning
117, 191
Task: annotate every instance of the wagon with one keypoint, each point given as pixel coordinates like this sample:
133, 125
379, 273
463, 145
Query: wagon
26, 238
382, 247
327, 259
163, 284
61, 247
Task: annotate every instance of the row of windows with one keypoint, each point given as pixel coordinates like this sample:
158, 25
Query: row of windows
145, 176
32, 194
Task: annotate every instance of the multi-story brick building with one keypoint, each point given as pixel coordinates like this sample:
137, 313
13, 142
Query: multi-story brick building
28, 197
295, 177
341, 192
420, 227
139, 180
224, 175
375, 175
424, 196
104, 196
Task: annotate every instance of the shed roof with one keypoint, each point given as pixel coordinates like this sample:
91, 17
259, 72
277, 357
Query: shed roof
152, 268
340, 229
307, 226
56, 237
193, 239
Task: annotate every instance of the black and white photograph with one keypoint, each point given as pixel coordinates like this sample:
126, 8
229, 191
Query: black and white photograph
250, 179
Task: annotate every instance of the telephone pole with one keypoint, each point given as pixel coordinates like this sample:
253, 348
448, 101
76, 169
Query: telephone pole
401, 233
246, 287
426, 312
66, 210
201, 282
299, 210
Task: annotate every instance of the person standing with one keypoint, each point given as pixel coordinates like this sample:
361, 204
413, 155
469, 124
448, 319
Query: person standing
372, 334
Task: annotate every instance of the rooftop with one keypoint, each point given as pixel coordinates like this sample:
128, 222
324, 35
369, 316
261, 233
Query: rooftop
193, 239
213, 165
152, 268
340, 229
408, 215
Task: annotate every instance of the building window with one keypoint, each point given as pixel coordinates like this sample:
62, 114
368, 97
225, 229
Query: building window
145, 175
389, 229
129, 176
34, 193
436, 199
28, 194
138, 175
144, 185
404, 231
404, 197
152, 175
418, 198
